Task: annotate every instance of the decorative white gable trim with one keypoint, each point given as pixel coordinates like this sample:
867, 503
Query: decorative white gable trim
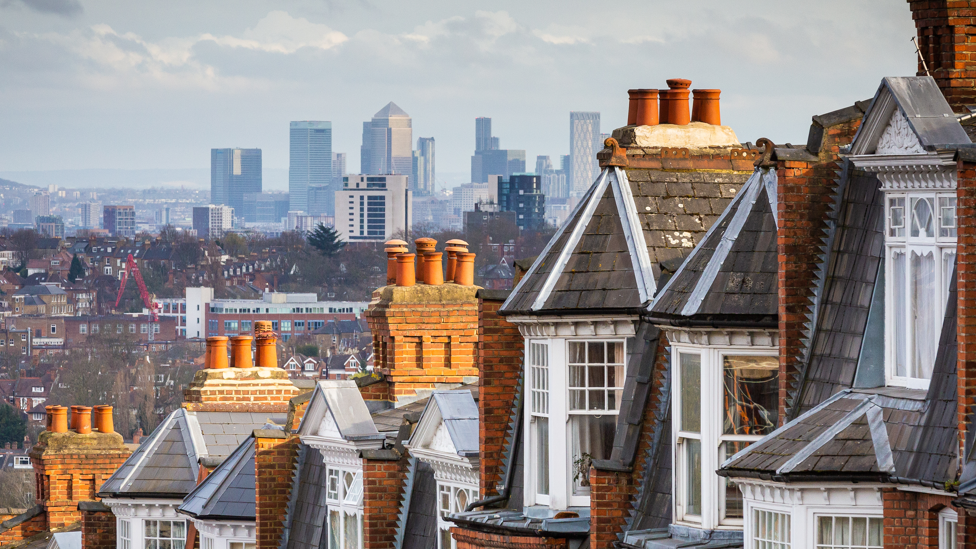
898, 137
145, 508
450, 468
442, 440
224, 530
344, 455
911, 172
719, 337
575, 326
633, 233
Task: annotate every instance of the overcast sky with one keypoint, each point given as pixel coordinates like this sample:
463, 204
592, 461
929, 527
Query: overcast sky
156, 84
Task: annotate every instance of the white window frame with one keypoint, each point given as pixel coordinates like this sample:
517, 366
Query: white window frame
346, 501
560, 464
943, 247
948, 528
711, 435
841, 515
452, 490
125, 534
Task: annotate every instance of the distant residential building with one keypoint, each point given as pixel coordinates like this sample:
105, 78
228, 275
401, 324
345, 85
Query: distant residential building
266, 207
91, 214
464, 197
370, 208
119, 220
233, 173
301, 222
522, 194
42, 299
197, 304
23, 217
388, 143
162, 216
476, 222
309, 161
584, 143
289, 314
212, 221
40, 203
50, 225
338, 169
423, 167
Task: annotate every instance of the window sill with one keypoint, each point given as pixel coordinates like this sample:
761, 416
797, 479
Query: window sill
611, 465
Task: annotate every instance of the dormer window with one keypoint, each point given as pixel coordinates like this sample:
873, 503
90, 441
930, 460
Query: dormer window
921, 250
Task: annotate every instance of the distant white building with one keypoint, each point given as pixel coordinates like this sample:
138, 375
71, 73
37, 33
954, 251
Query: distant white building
212, 221
466, 196
370, 208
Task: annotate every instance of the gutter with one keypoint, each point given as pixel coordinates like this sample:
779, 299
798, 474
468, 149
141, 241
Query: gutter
509, 474
882, 478
762, 322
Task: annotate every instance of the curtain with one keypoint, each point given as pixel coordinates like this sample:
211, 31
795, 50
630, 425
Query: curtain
898, 266
925, 312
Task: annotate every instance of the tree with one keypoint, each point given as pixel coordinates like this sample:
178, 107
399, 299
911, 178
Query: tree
76, 271
24, 244
13, 425
309, 349
326, 240
234, 245
17, 489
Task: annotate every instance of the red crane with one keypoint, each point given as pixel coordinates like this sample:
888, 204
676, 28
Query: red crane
131, 266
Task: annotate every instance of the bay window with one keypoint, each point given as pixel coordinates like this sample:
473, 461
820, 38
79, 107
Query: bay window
575, 387
164, 534
451, 499
724, 400
841, 532
344, 499
771, 530
920, 238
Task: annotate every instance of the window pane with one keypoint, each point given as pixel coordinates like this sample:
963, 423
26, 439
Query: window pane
751, 394
690, 366
445, 500
948, 264
875, 532
825, 530
842, 531
926, 313
592, 438
350, 531
596, 355
859, 531
615, 353
947, 216
734, 505
445, 541
542, 464
898, 278
896, 217
693, 491
577, 400
922, 225
334, 528
596, 376
577, 352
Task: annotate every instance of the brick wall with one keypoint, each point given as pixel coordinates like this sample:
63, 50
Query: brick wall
911, 519
470, 539
274, 468
98, 529
240, 389
25, 529
424, 335
947, 41
500, 350
374, 387
382, 492
966, 288
804, 199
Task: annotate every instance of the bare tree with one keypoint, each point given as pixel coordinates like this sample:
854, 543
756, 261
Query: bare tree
17, 489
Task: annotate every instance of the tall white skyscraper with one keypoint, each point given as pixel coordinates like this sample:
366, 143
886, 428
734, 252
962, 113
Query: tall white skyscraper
338, 169
584, 143
423, 167
309, 161
91, 215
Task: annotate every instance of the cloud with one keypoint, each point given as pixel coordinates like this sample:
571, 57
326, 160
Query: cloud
64, 8
279, 32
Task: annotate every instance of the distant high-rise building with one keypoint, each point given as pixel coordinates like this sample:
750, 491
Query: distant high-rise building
40, 203
423, 167
266, 207
321, 200
482, 134
464, 197
23, 217
542, 164
553, 181
388, 143
309, 161
91, 214
213, 220
338, 169
522, 194
370, 208
584, 143
489, 158
234, 172
119, 220
50, 225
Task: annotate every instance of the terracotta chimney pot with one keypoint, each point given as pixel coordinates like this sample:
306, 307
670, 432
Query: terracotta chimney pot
262, 326
405, 270
84, 420
678, 112
267, 349
217, 352
634, 97
47, 410
137, 436
647, 113
241, 351
103, 419
396, 243
423, 245
73, 420
433, 262
452, 261
391, 254
465, 269
705, 107
665, 96
59, 423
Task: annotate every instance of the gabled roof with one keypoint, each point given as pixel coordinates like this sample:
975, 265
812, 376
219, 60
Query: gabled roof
390, 110
167, 463
905, 108
228, 492
337, 409
457, 414
40, 289
732, 273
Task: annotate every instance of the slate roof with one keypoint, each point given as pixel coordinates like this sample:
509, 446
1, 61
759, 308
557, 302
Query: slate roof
305, 520
732, 273
228, 492
40, 289
166, 464
459, 412
630, 228
421, 527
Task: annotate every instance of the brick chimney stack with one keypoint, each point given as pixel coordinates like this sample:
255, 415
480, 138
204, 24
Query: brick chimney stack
947, 46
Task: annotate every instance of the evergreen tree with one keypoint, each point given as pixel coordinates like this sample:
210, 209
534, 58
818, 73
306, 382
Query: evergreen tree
76, 271
13, 425
326, 240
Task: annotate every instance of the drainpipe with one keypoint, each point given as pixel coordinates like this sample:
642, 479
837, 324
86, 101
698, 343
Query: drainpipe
509, 475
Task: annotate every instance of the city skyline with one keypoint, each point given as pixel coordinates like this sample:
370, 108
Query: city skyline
152, 88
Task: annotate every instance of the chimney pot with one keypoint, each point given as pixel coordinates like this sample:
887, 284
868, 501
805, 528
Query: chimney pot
391, 263
678, 112
634, 97
405, 270
665, 107
48, 417
59, 421
216, 353
84, 424
465, 269
647, 112
241, 351
73, 420
103, 419
137, 436
423, 246
433, 262
452, 261
705, 107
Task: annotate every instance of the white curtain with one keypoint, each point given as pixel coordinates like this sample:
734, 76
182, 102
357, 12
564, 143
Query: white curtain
898, 266
926, 311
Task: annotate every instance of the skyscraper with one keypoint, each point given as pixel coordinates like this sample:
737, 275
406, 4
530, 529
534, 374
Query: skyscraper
423, 167
234, 172
40, 203
489, 158
388, 143
482, 134
522, 194
584, 143
212, 221
119, 220
338, 169
309, 161
91, 213
542, 165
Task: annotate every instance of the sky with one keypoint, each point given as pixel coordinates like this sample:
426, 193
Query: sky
114, 84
